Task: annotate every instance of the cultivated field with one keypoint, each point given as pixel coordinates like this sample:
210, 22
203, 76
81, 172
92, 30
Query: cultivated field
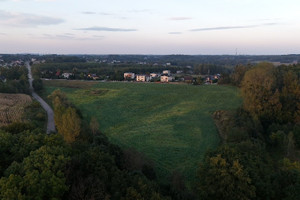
171, 124
12, 107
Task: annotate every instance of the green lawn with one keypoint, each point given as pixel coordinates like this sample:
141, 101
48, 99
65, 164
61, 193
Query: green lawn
170, 124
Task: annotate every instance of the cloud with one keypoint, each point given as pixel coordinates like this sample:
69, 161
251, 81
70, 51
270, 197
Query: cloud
88, 13
27, 20
96, 28
232, 27
66, 36
140, 11
3, 33
175, 33
180, 18
106, 13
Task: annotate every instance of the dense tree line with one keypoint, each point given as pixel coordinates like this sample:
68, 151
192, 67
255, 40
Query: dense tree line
258, 157
16, 80
210, 69
35, 165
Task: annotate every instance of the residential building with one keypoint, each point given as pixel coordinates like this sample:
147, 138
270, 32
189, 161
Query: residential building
142, 78
129, 75
154, 75
66, 75
168, 72
166, 78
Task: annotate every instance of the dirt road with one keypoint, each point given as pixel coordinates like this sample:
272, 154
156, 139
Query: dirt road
47, 108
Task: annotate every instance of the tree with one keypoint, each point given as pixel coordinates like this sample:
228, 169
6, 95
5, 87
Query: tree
37, 84
290, 145
67, 120
39, 176
71, 125
238, 74
222, 176
291, 98
260, 96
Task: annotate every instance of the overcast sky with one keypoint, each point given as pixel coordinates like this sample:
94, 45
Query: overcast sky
150, 27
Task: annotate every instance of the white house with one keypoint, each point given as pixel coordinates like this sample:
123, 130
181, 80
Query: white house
67, 75
168, 72
154, 75
166, 78
142, 78
129, 75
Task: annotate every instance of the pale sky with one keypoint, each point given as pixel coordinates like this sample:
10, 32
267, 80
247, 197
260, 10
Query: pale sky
150, 27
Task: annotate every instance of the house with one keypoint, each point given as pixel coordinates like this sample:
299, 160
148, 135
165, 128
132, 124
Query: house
66, 75
167, 72
129, 75
93, 76
57, 73
142, 78
166, 78
154, 75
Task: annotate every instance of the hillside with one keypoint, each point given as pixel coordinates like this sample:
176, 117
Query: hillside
170, 124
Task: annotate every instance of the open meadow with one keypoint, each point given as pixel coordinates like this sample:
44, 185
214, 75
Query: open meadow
171, 124
12, 107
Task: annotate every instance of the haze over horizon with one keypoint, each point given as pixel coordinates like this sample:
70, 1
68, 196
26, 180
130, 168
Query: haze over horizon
150, 27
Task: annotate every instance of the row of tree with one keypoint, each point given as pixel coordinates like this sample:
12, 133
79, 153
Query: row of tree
259, 154
68, 165
15, 80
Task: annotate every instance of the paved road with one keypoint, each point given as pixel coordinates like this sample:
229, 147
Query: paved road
47, 108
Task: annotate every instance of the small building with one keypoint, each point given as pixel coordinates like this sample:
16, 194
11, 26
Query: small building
154, 75
142, 78
66, 75
166, 78
93, 76
129, 75
57, 73
167, 72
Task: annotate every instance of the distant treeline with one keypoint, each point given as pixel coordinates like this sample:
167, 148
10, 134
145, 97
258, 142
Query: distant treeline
183, 60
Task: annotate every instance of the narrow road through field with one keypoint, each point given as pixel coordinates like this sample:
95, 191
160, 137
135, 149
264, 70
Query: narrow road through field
47, 108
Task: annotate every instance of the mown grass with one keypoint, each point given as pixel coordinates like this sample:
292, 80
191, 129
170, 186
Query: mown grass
170, 124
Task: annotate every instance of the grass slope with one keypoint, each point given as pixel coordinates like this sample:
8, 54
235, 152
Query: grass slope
171, 124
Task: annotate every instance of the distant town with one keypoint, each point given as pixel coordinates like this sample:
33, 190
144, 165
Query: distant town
139, 68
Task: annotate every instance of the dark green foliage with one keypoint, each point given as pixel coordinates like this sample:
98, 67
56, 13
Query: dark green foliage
16, 80
39, 166
37, 84
272, 95
222, 176
238, 75
208, 69
296, 132
18, 127
35, 114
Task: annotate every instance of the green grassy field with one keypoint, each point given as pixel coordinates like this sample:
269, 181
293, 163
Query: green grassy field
170, 124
